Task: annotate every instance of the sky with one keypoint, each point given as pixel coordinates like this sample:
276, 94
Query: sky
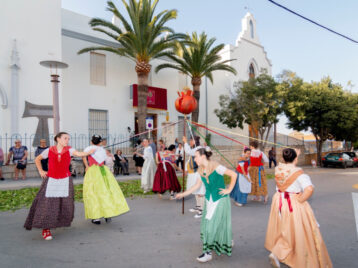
290, 42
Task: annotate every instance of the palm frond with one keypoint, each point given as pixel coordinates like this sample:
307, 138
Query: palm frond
109, 49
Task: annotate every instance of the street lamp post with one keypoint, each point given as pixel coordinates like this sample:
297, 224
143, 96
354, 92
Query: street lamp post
54, 66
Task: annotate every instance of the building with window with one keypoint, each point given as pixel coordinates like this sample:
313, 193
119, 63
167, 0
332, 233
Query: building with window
97, 90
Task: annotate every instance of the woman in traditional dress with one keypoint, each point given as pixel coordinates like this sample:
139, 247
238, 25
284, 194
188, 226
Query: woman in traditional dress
257, 173
102, 196
193, 176
243, 183
165, 178
149, 167
215, 228
53, 205
293, 236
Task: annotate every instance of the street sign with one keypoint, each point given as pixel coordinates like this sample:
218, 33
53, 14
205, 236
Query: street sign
149, 123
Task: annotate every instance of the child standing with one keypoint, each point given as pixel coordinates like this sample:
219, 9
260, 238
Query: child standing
243, 183
257, 173
193, 176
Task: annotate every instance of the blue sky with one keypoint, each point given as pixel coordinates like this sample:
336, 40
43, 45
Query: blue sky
291, 43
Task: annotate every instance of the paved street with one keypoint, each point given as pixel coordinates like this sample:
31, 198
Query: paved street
155, 233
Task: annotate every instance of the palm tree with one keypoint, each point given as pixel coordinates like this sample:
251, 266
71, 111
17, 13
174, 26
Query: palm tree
145, 37
196, 58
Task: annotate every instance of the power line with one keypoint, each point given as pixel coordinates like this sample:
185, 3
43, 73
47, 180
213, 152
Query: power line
316, 23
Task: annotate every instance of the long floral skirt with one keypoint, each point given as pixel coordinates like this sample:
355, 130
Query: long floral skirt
294, 237
258, 178
51, 212
102, 196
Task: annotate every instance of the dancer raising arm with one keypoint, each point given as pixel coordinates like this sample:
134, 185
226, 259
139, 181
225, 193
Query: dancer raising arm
102, 195
215, 228
53, 205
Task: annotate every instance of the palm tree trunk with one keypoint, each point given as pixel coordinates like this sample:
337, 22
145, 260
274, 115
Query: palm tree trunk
143, 69
142, 101
196, 82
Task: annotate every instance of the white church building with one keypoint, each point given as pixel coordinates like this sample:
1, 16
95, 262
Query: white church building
96, 90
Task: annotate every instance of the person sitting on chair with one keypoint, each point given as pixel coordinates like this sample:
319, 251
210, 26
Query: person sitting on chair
121, 161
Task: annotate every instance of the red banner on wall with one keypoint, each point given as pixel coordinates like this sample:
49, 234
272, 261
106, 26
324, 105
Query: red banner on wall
157, 97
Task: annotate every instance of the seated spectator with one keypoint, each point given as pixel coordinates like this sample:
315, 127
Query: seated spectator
121, 161
19, 154
43, 146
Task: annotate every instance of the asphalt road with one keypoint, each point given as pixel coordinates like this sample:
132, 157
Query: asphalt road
155, 233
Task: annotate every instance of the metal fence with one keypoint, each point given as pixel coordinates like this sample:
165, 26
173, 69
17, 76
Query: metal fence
124, 142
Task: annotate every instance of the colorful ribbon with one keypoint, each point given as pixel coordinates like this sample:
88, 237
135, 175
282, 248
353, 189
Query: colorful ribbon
288, 198
260, 168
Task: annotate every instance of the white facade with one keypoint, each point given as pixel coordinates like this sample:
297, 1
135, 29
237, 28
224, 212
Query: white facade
57, 34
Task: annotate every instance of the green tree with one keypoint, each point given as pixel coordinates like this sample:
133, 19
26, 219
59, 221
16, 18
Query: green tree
256, 102
320, 107
347, 129
197, 57
145, 36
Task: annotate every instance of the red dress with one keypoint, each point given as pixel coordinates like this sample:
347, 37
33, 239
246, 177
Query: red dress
165, 178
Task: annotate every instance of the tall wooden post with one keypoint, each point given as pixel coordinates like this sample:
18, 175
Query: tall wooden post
182, 210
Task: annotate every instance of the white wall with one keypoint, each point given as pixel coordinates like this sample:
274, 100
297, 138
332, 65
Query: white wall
39, 38
36, 25
78, 95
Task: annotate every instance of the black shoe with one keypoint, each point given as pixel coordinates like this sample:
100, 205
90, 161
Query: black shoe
2, 179
96, 222
108, 220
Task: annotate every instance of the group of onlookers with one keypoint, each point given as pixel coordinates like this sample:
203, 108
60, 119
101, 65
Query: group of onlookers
117, 163
19, 154
139, 149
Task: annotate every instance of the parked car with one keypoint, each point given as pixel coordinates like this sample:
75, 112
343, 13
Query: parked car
338, 159
353, 155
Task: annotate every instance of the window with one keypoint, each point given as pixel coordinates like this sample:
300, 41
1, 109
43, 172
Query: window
98, 123
251, 71
97, 69
252, 29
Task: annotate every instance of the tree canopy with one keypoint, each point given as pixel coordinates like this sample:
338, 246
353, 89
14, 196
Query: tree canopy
256, 102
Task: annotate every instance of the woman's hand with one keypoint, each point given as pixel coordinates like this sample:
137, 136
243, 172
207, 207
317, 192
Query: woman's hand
224, 191
179, 196
185, 139
43, 174
248, 179
92, 151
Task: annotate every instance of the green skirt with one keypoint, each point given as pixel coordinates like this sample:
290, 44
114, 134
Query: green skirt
216, 233
102, 196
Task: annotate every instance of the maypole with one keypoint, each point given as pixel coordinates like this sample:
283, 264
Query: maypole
182, 201
185, 104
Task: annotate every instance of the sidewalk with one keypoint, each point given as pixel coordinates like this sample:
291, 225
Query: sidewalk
10, 184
